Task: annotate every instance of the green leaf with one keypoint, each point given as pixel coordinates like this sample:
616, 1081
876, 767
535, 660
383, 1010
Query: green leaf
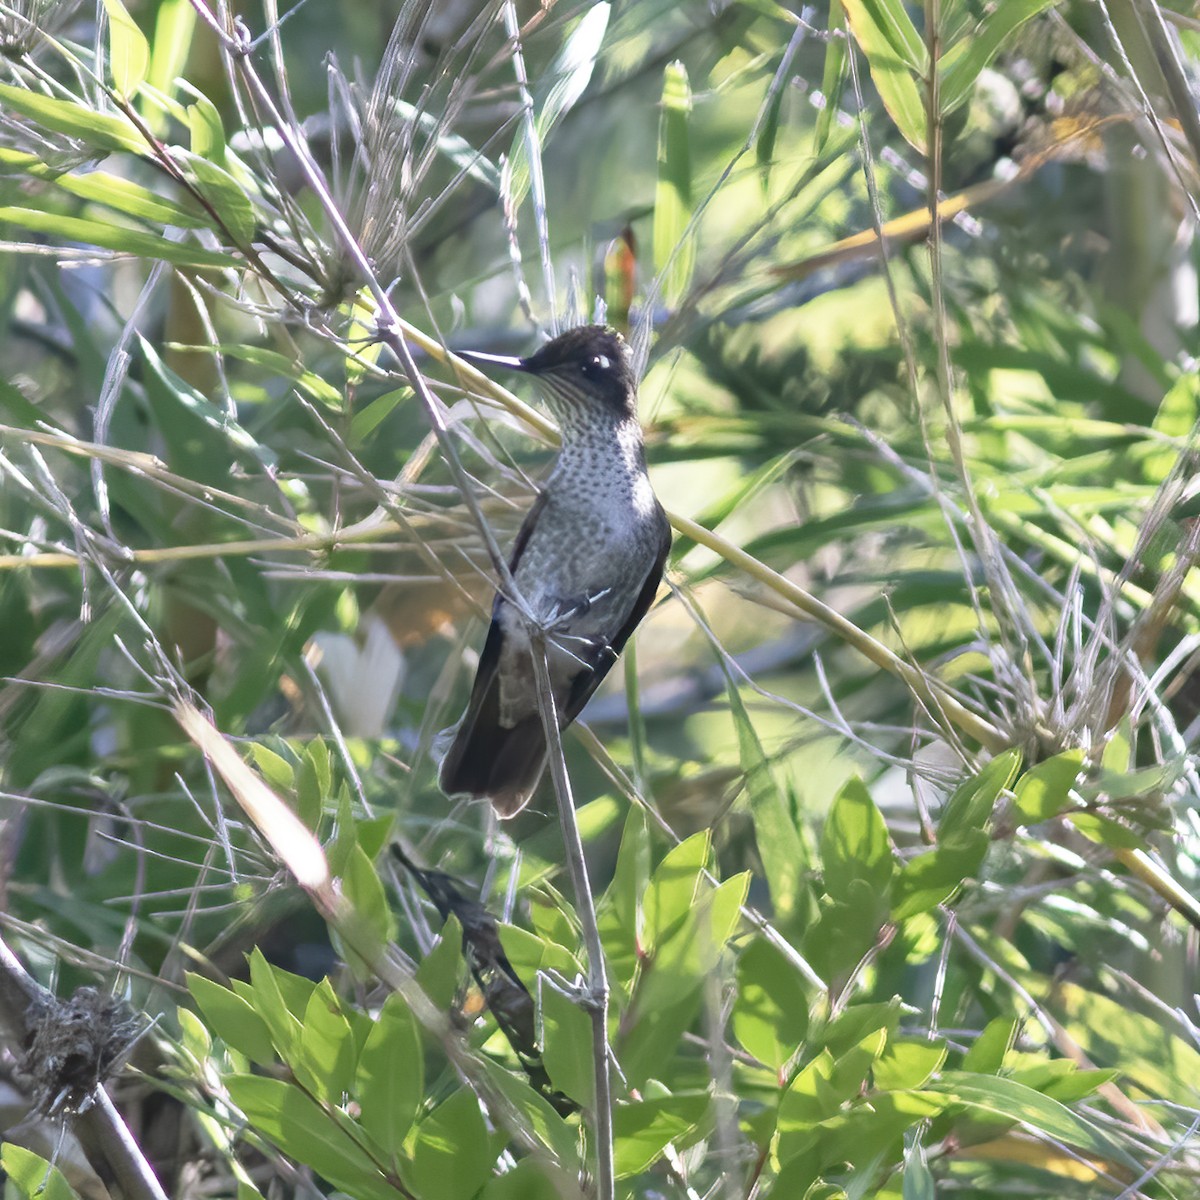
845, 930
859, 1022
206, 129
1105, 831
651, 1036
233, 1019
389, 1084
536, 1114
100, 187
986, 1055
961, 64
918, 1180
452, 1155
275, 769
194, 1035
891, 19
855, 845
630, 879
363, 889
314, 783
228, 198
897, 57
531, 1179
642, 1129
117, 238
809, 1098
973, 800
21, 410
780, 847
831, 77
674, 257
1146, 1050
201, 438
283, 1113
269, 1003
770, 1014
931, 878
567, 1047
1177, 415
673, 887
102, 131
691, 950
907, 1064
128, 50
528, 953
1044, 791
1014, 1101
368, 419
764, 146
329, 1049
32, 1176
440, 970
571, 72
284, 367
173, 29
1076, 1085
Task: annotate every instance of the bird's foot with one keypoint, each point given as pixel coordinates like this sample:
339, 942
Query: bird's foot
568, 610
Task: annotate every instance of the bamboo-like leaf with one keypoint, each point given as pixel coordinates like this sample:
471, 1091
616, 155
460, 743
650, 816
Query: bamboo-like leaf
831, 76
674, 256
102, 131
229, 199
571, 72
100, 187
128, 50
1008, 1099
779, 842
897, 58
173, 31
117, 238
894, 29
32, 1176
961, 64
206, 129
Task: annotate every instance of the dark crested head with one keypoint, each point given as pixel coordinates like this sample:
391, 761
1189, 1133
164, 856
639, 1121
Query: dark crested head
584, 365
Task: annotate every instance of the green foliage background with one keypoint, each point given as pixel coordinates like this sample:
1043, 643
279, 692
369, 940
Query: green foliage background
892, 817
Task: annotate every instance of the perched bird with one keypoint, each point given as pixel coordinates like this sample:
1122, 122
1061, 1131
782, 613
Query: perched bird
587, 562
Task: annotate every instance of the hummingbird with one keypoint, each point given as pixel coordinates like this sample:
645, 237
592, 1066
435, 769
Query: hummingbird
587, 563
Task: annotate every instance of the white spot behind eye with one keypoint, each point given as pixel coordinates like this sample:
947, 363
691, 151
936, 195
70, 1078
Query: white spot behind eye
602, 362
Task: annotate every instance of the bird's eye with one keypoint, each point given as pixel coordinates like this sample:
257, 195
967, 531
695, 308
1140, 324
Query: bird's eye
596, 366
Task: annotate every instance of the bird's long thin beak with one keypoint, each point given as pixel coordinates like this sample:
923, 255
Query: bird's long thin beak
503, 361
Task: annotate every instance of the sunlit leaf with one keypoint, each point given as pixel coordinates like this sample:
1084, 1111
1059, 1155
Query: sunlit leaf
128, 50
452, 1154
116, 238
770, 1014
674, 254
1044, 790
32, 1176
390, 1078
961, 64
233, 1019
567, 1046
642, 1129
897, 57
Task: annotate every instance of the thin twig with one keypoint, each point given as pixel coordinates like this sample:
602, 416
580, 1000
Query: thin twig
596, 1003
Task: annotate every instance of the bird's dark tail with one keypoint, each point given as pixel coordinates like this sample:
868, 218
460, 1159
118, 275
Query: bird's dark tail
490, 761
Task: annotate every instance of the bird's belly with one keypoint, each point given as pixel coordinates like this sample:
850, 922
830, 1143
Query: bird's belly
589, 571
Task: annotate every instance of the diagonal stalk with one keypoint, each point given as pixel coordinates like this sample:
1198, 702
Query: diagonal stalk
596, 1001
